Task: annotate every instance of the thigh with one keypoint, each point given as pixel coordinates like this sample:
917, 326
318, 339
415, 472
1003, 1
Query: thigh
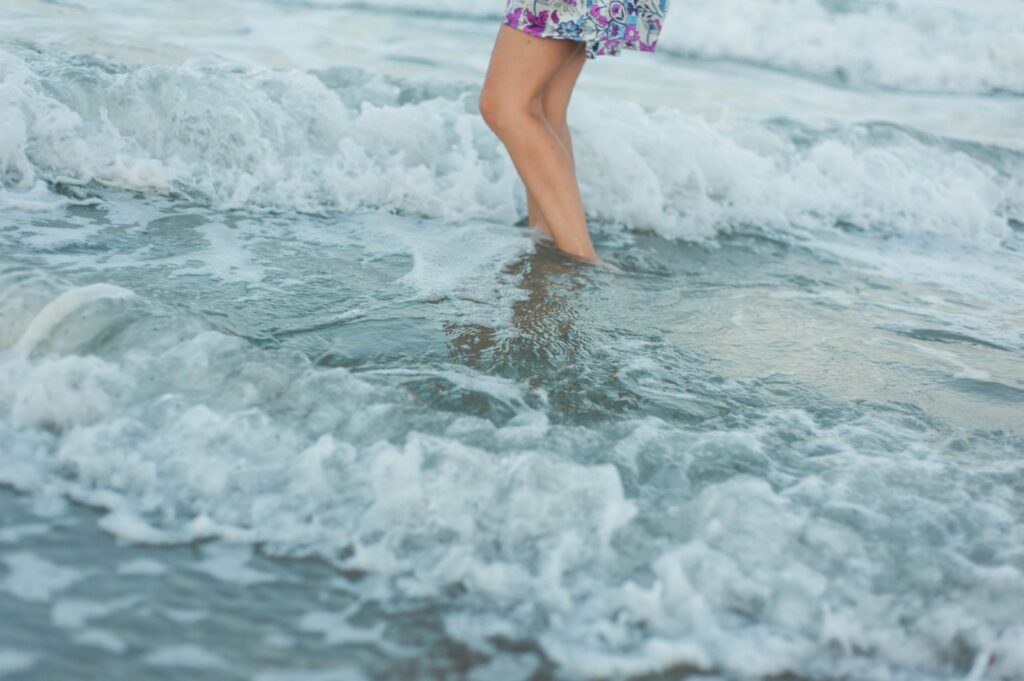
522, 65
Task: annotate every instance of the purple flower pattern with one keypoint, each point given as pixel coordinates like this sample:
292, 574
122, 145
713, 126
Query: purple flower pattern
606, 26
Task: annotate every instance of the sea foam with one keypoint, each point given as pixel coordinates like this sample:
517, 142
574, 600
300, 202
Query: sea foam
630, 547
934, 45
924, 45
256, 139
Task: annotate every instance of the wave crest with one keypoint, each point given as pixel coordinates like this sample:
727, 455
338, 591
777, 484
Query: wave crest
258, 139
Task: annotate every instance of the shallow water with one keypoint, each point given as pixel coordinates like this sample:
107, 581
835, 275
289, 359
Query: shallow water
286, 392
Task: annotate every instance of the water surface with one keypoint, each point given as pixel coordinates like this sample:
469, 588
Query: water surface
288, 392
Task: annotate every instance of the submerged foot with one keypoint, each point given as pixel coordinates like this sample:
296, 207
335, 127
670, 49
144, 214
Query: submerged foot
592, 258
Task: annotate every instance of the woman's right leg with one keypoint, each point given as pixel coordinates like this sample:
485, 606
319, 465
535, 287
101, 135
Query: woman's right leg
511, 102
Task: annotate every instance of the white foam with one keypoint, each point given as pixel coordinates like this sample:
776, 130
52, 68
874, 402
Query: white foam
74, 613
14, 661
942, 45
32, 578
182, 616
938, 45
507, 668
225, 257
230, 564
128, 524
15, 533
335, 628
297, 674
184, 656
59, 392
957, 274
477, 630
144, 567
1009, 659
102, 639
675, 555
264, 139
279, 640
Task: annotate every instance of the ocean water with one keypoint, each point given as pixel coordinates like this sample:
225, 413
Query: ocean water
289, 393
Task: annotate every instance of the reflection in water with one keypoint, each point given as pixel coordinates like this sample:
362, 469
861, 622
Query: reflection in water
549, 347
545, 335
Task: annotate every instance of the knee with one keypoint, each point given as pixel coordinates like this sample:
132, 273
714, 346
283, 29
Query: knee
490, 107
503, 114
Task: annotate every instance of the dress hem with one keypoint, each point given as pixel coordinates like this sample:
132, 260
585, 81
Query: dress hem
609, 39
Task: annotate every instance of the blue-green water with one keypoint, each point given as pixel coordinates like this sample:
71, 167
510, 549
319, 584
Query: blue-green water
286, 393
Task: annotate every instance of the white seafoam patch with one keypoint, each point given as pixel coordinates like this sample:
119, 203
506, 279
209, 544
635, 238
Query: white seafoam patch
32, 578
295, 674
224, 257
184, 656
510, 668
105, 640
13, 662
12, 534
142, 567
336, 629
229, 563
75, 613
182, 616
980, 298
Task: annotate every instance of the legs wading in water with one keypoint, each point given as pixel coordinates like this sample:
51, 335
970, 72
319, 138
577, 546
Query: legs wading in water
524, 100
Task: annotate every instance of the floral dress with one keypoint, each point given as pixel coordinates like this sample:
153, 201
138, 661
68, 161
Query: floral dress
606, 26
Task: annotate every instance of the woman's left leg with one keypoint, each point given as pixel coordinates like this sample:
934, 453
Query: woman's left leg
556, 106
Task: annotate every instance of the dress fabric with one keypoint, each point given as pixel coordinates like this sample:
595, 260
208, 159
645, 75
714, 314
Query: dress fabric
606, 26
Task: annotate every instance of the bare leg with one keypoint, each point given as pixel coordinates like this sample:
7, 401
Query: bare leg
511, 102
556, 105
